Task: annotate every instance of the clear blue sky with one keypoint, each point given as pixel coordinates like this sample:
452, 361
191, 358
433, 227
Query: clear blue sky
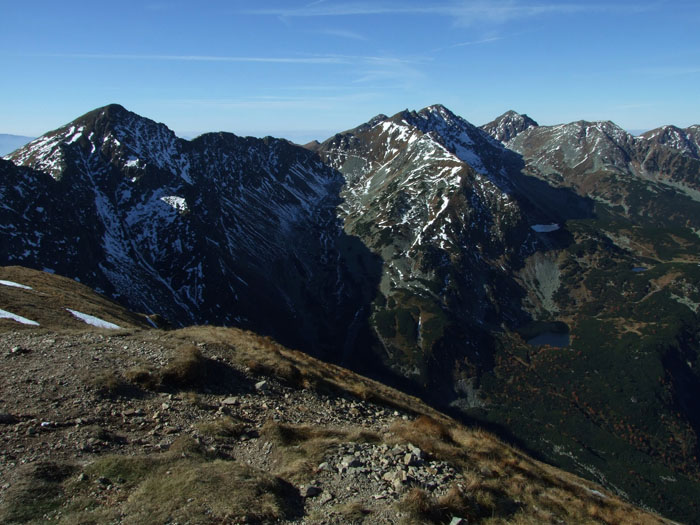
305, 69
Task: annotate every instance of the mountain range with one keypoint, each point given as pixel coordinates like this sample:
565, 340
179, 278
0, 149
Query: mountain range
543, 281
9, 143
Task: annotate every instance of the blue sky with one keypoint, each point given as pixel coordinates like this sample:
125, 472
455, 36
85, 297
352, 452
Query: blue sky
306, 69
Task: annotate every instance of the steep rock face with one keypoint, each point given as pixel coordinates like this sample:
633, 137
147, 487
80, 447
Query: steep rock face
687, 140
222, 230
433, 196
485, 245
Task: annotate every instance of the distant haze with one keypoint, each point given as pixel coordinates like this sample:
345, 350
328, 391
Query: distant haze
9, 143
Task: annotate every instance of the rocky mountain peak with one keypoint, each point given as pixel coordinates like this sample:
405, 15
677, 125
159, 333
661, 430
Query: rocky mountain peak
428, 117
508, 125
687, 141
108, 135
437, 110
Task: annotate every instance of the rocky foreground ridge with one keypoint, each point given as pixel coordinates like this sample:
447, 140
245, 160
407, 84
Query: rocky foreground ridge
214, 425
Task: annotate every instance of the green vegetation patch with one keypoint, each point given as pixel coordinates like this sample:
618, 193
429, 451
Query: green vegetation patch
183, 485
38, 492
210, 492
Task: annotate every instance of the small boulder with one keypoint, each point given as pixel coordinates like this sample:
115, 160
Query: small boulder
350, 461
325, 498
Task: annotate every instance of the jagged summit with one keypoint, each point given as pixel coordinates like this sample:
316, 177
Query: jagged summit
685, 140
108, 135
433, 112
508, 125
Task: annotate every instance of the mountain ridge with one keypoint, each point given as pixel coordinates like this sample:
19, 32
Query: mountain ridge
417, 248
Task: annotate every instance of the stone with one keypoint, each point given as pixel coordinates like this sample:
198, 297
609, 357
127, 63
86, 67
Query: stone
230, 401
262, 386
459, 521
410, 459
325, 498
417, 451
350, 461
396, 451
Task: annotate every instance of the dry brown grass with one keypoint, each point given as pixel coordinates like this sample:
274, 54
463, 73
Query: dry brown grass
300, 448
143, 376
223, 427
109, 384
266, 357
209, 492
281, 370
421, 507
503, 485
353, 512
187, 369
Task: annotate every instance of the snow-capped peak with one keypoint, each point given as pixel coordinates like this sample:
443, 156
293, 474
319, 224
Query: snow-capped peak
112, 134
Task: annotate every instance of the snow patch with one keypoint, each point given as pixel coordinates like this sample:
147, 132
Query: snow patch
15, 285
94, 321
75, 134
179, 203
8, 315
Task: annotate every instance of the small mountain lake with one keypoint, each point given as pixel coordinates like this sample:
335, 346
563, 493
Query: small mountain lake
555, 339
639, 269
540, 333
